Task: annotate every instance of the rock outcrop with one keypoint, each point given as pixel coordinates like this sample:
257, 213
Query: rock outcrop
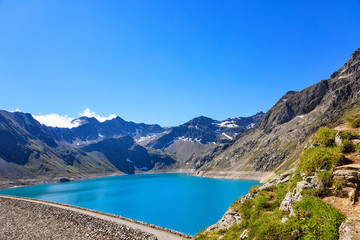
294, 196
230, 218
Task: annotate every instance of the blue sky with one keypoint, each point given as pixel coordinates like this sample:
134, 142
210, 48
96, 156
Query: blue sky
168, 61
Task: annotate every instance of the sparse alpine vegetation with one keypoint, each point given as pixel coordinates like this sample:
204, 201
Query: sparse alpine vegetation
302, 203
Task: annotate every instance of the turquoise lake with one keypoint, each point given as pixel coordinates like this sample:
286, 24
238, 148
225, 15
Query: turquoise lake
176, 201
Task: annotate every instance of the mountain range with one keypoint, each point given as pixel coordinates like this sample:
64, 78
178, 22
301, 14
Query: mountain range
260, 144
29, 149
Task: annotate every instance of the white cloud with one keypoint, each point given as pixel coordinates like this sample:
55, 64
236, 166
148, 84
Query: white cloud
55, 120
88, 113
16, 110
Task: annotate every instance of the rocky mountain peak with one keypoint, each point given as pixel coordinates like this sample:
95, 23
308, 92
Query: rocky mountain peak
84, 120
352, 66
199, 121
286, 96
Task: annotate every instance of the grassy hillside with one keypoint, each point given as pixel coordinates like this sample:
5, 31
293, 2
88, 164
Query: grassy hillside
307, 202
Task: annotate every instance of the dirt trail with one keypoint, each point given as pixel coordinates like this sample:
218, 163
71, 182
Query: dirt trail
351, 211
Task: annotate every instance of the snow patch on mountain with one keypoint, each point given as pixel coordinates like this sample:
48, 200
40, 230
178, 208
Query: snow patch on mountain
228, 124
147, 137
227, 136
184, 139
250, 125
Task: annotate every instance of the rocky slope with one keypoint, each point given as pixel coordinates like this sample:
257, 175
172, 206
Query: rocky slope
276, 142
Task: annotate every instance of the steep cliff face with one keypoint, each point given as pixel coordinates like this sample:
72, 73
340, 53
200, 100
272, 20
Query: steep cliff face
278, 139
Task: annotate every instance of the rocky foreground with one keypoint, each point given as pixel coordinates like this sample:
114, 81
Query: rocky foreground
28, 219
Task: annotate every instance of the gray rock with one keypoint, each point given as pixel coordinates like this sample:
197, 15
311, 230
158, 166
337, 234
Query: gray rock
284, 219
347, 230
314, 145
338, 139
348, 175
294, 196
245, 234
279, 179
287, 203
230, 218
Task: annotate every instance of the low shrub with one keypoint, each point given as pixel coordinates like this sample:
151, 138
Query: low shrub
348, 135
325, 136
353, 121
347, 147
318, 158
262, 202
295, 179
253, 189
313, 192
247, 208
325, 178
338, 184
316, 219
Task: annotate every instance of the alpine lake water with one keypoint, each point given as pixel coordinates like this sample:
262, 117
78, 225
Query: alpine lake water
172, 200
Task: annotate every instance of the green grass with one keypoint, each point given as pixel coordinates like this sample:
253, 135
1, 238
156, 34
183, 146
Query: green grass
325, 178
325, 136
319, 157
314, 219
348, 146
348, 135
353, 121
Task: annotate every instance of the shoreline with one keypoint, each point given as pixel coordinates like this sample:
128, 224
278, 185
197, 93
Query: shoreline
262, 177
7, 183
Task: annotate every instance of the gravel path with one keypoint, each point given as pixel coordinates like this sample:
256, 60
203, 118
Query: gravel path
22, 218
